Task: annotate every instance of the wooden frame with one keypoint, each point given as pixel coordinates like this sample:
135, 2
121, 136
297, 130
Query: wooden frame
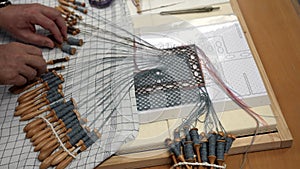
281, 138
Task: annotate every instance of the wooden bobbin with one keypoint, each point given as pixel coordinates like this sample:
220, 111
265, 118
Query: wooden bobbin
61, 157
74, 41
81, 9
41, 135
67, 10
46, 134
47, 162
32, 107
62, 67
51, 146
37, 121
195, 137
33, 92
65, 47
203, 148
221, 161
72, 30
71, 22
62, 137
81, 145
20, 89
43, 142
54, 61
66, 162
64, 3
220, 149
98, 134
179, 155
34, 113
138, 6
34, 101
168, 142
231, 138
62, 11
77, 2
32, 124
38, 128
33, 95
78, 16
211, 148
29, 95
44, 154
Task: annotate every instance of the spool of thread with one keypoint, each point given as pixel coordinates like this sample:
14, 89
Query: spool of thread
48, 76
54, 61
68, 119
220, 148
62, 2
187, 133
81, 9
59, 107
188, 151
220, 151
57, 68
55, 96
172, 147
66, 9
67, 48
228, 143
54, 79
203, 151
72, 30
72, 123
62, 11
195, 136
229, 140
75, 41
203, 147
79, 3
81, 134
212, 142
196, 141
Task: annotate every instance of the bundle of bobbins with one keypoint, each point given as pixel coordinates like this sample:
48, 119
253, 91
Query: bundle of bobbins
203, 151
71, 18
55, 128
51, 77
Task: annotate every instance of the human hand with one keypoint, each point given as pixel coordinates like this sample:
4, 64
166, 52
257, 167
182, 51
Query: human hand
20, 63
20, 21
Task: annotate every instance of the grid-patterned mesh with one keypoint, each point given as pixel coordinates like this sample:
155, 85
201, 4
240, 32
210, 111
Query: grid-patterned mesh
120, 124
175, 83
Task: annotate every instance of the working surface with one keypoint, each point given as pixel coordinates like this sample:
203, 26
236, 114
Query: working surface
275, 31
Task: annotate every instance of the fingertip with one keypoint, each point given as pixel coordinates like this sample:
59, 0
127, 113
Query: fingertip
49, 43
42, 68
20, 80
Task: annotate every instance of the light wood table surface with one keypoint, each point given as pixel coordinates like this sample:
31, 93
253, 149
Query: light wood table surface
275, 29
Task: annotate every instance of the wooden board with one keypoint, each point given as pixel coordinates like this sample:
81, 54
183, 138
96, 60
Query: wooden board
279, 139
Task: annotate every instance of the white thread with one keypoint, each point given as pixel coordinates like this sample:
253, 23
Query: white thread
57, 137
199, 164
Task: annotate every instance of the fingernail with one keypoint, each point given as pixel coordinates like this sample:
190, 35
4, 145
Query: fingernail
49, 44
